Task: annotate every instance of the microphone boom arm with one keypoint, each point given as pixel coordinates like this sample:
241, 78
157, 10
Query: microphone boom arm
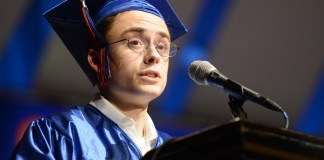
236, 107
204, 73
238, 94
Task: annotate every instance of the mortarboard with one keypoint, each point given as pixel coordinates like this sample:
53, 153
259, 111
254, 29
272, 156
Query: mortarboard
75, 23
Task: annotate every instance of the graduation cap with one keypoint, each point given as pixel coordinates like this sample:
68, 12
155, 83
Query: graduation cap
76, 22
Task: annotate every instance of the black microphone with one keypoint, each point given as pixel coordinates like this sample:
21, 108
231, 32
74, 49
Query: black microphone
204, 73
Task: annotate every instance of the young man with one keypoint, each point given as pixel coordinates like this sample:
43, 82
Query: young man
124, 47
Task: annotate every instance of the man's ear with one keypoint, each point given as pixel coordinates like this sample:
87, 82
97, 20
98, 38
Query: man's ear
94, 60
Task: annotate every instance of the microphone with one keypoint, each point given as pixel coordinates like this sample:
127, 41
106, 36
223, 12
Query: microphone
204, 73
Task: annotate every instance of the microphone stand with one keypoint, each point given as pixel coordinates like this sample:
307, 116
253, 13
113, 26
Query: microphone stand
236, 107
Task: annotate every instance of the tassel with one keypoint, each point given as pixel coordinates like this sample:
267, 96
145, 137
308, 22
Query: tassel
99, 42
104, 70
93, 33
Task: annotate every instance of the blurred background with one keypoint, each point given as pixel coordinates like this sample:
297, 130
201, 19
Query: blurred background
273, 47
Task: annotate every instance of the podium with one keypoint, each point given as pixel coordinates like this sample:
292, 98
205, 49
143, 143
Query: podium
241, 139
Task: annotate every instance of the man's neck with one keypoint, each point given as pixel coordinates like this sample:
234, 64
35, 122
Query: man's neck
134, 111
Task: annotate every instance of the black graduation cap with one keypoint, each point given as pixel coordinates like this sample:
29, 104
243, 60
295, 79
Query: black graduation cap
72, 19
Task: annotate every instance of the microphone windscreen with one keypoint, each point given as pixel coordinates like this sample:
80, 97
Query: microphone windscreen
199, 70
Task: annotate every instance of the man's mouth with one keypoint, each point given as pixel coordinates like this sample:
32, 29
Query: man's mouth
151, 75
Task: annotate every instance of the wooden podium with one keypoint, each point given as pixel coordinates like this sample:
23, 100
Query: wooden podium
241, 139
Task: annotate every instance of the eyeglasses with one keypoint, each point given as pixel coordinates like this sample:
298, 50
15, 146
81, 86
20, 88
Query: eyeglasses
136, 44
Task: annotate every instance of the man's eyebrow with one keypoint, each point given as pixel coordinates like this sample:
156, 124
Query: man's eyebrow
132, 30
142, 30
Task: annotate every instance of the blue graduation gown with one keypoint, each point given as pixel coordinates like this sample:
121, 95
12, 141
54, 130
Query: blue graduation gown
82, 132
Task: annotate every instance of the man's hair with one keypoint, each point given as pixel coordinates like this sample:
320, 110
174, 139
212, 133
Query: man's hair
103, 28
106, 25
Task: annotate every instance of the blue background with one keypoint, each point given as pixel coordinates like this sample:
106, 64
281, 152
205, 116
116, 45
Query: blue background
275, 48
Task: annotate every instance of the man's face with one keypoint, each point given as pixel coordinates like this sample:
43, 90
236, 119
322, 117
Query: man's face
137, 77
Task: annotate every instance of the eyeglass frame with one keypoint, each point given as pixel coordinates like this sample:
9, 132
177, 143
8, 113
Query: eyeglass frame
147, 45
